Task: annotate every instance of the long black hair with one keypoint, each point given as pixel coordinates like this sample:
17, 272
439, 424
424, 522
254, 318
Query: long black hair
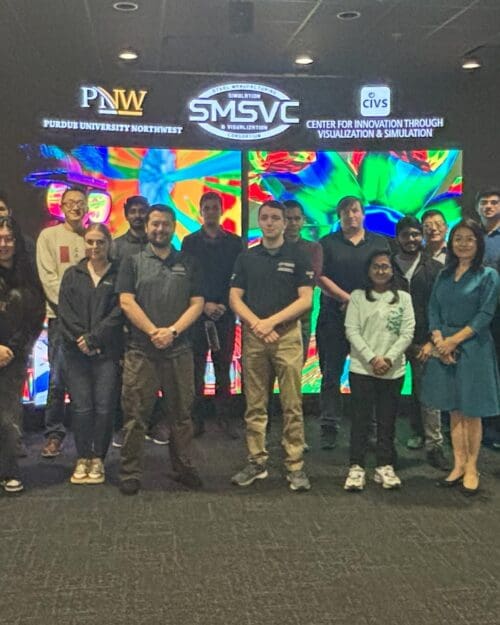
392, 283
477, 261
23, 272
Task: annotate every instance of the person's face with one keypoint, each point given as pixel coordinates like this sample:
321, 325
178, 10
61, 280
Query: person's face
74, 207
271, 222
96, 246
464, 244
160, 229
380, 271
351, 218
410, 241
435, 229
4, 209
294, 220
488, 207
211, 211
7, 246
136, 216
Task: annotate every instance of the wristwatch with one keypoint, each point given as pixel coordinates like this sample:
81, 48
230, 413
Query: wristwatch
175, 334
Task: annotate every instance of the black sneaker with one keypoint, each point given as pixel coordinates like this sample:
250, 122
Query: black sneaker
189, 478
437, 459
159, 434
328, 438
130, 487
119, 438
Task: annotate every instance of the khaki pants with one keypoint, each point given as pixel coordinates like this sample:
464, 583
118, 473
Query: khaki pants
142, 377
261, 361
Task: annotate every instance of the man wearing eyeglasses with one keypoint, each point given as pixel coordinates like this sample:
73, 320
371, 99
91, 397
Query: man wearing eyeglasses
435, 230
57, 248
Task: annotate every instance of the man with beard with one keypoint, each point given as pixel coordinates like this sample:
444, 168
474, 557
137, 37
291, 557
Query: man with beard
416, 273
161, 294
135, 239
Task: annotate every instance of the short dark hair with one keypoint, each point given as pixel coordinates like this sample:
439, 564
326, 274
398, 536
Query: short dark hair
210, 195
486, 192
81, 190
346, 202
432, 212
408, 222
477, 261
4, 198
135, 199
392, 283
161, 208
273, 204
294, 204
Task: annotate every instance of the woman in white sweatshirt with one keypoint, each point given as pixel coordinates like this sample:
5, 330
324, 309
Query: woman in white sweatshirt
379, 326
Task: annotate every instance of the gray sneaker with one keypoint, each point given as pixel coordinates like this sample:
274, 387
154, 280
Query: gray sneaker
249, 474
298, 481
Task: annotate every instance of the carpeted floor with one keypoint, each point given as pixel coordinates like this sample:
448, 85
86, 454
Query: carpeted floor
86, 555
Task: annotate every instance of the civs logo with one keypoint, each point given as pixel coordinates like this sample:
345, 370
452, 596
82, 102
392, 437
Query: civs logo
375, 101
244, 111
119, 101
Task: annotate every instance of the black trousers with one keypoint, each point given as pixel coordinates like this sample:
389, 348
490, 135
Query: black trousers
371, 394
11, 384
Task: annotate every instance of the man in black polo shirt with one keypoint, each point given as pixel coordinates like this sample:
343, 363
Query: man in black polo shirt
135, 239
345, 254
271, 288
216, 251
160, 292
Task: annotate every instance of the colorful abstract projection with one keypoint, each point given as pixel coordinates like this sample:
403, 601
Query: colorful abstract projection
389, 184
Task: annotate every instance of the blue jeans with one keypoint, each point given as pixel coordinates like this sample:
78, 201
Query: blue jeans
54, 410
93, 386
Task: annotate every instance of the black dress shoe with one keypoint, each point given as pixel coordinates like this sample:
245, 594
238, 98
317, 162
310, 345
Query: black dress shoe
470, 492
450, 483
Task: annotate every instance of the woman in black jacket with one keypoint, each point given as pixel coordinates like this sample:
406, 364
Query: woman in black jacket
92, 328
22, 310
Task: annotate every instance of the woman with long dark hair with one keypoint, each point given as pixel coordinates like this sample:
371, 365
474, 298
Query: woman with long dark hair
379, 326
92, 329
22, 310
462, 377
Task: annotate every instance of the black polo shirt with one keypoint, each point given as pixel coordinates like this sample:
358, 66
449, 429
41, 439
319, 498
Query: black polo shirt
345, 263
216, 256
271, 278
162, 288
128, 245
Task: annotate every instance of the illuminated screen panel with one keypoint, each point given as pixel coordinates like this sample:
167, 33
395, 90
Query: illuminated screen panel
112, 174
390, 185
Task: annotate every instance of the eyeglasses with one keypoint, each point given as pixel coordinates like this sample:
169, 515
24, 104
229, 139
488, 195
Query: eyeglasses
7, 239
383, 267
434, 225
75, 204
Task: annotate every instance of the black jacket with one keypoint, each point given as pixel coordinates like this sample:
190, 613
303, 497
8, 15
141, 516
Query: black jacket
420, 289
91, 311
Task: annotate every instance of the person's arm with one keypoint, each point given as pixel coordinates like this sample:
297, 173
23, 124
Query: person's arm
69, 309
46, 263
135, 314
296, 309
239, 307
329, 287
402, 342
100, 335
317, 261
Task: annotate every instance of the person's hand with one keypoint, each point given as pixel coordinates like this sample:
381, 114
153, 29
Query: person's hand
262, 328
6, 355
213, 311
448, 360
82, 345
425, 352
272, 337
447, 346
162, 338
380, 365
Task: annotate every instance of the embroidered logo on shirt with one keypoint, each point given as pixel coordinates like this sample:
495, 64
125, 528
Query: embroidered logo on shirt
395, 320
179, 270
287, 267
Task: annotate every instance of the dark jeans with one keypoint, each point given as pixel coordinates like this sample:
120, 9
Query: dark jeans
333, 349
222, 363
11, 384
369, 393
54, 410
93, 385
492, 425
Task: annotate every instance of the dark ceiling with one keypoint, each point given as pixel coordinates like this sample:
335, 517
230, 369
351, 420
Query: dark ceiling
61, 38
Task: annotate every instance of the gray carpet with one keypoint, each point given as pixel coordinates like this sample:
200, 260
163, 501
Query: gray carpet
81, 555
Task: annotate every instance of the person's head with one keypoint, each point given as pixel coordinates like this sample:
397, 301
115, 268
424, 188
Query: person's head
351, 213
271, 218
211, 208
435, 227
11, 242
294, 218
74, 206
380, 275
136, 208
4, 205
160, 225
488, 204
97, 242
409, 235
466, 243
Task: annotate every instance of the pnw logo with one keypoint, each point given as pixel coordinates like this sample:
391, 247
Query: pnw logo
117, 102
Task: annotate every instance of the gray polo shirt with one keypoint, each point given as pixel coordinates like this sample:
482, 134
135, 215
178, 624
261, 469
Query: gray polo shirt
163, 289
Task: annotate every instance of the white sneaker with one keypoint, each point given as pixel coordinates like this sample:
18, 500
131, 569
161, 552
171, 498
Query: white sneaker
386, 476
80, 473
356, 478
96, 472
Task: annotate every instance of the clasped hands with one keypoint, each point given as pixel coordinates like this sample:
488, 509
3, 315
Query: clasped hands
214, 311
445, 348
161, 337
84, 348
380, 365
264, 329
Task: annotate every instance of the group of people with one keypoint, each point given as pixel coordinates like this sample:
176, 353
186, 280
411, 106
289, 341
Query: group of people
131, 321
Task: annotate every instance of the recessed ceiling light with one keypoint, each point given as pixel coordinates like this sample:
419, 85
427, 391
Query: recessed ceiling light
128, 55
471, 62
304, 59
349, 15
125, 6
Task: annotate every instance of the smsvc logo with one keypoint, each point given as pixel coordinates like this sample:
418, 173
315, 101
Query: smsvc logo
117, 102
244, 111
375, 101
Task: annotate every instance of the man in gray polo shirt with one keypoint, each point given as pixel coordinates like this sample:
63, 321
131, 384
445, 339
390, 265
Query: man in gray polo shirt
160, 293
